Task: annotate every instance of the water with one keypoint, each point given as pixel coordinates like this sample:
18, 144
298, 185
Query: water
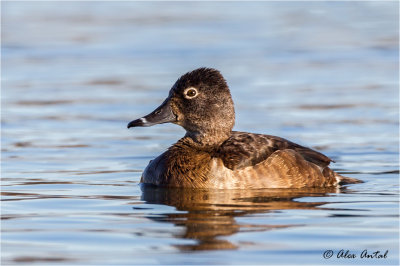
323, 74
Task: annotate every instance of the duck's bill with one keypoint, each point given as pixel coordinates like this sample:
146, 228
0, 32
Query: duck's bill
163, 114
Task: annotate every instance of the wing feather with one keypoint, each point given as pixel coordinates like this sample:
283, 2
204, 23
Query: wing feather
247, 149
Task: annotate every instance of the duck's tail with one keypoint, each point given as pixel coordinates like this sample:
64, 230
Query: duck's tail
344, 180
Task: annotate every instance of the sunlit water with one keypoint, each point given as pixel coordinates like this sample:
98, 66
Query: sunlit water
74, 74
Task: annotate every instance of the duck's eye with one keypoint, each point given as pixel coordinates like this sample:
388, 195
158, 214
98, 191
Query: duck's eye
190, 93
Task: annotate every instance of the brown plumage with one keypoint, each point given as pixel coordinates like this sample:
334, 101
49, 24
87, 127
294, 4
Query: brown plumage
211, 155
243, 149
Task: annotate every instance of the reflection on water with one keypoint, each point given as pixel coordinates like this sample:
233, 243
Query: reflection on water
323, 74
210, 214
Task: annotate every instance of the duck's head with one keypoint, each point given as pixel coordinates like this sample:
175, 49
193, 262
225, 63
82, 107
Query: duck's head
200, 102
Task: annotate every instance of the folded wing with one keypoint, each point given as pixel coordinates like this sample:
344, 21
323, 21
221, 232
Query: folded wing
244, 149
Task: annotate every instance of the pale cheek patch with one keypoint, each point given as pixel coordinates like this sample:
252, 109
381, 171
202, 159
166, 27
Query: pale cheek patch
144, 121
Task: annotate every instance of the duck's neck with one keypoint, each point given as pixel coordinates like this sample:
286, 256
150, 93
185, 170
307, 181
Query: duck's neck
206, 140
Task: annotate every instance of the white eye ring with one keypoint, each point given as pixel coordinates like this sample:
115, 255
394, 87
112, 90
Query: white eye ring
190, 93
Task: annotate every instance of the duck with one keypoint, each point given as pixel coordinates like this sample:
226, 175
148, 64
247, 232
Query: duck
213, 156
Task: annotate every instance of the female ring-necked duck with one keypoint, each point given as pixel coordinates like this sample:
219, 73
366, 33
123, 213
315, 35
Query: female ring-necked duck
211, 155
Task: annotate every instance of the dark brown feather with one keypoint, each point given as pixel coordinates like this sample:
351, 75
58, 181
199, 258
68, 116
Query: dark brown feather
244, 149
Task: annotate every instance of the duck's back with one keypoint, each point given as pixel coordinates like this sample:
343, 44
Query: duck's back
265, 161
245, 149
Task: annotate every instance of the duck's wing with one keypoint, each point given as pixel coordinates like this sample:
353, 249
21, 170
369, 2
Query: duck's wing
244, 149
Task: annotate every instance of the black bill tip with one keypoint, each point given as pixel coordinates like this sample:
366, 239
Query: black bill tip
141, 122
163, 114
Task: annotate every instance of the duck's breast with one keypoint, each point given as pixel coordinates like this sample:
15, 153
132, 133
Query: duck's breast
178, 168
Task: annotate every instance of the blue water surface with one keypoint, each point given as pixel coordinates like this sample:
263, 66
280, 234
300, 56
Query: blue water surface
323, 74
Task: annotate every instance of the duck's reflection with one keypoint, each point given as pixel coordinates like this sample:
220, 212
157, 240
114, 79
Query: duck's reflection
210, 214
